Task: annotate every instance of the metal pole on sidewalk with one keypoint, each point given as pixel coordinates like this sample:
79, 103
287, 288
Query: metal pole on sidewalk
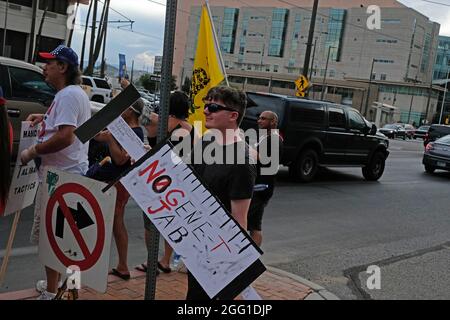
5, 28
166, 75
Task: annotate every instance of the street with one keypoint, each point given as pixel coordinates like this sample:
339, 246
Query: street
328, 231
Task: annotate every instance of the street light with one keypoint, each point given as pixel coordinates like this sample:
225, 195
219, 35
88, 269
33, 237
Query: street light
326, 71
443, 100
368, 89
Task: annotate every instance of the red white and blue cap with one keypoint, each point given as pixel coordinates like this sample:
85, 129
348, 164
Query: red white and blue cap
61, 53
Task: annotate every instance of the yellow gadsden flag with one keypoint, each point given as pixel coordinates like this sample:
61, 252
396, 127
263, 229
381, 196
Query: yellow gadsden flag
208, 71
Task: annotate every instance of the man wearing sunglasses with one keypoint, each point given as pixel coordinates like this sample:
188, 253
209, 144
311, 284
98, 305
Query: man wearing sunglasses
265, 182
229, 178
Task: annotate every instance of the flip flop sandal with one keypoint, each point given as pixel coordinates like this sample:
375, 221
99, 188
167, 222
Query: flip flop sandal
123, 276
164, 269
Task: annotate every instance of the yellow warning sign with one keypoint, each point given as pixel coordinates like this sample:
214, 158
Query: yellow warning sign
301, 84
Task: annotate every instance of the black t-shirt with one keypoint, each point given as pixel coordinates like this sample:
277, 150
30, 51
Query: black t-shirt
228, 180
266, 144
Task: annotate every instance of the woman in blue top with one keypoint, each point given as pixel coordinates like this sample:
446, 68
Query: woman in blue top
115, 161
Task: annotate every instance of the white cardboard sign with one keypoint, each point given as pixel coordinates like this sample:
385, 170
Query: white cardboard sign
213, 247
76, 226
25, 178
127, 138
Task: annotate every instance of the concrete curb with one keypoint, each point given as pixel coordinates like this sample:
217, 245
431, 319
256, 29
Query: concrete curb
320, 292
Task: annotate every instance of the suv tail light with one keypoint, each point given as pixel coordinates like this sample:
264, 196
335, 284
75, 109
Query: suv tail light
429, 147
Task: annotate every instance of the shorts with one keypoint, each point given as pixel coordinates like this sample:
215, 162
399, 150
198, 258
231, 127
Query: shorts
255, 212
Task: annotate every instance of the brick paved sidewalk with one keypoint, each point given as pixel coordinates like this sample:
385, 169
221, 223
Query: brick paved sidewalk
173, 286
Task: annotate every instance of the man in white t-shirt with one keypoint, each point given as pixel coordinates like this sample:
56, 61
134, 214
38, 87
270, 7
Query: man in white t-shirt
57, 146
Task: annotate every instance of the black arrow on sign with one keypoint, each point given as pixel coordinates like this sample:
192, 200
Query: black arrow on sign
81, 217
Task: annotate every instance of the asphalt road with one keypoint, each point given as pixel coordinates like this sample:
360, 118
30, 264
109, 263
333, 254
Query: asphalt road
328, 231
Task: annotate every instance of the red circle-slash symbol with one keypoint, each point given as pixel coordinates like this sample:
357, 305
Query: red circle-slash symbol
90, 258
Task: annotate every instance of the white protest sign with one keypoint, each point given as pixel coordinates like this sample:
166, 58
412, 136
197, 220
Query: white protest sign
25, 178
212, 245
76, 226
127, 138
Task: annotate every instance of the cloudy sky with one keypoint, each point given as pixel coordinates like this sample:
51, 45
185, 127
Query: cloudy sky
146, 39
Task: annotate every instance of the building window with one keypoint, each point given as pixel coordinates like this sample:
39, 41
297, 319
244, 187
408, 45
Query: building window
229, 26
390, 21
387, 41
278, 32
57, 6
374, 76
335, 35
26, 3
295, 35
275, 68
383, 77
332, 73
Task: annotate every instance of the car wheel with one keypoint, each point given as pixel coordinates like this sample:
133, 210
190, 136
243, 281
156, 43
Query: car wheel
306, 166
429, 169
375, 169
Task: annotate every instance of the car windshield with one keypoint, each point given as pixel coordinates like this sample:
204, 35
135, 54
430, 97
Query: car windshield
444, 140
390, 126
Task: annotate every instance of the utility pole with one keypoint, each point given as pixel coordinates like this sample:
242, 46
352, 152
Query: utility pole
368, 89
169, 43
4, 29
38, 40
33, 31
443, 100
90, 67
310, 38
313, 56
69, 41
83, 45
411, 104
105, 31
326, 71
132, 70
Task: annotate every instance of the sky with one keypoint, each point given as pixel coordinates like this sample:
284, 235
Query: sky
146, 39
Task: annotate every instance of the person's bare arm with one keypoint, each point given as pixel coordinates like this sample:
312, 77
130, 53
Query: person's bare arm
59, 141
239, 211
118, 155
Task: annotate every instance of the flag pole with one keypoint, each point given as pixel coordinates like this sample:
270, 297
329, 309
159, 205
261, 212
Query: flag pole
219, 52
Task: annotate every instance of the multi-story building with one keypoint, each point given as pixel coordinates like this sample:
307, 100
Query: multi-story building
263, 49
23, 19
441, 73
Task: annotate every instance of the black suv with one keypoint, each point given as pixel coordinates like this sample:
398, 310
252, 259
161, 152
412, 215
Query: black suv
435, 132
318, 133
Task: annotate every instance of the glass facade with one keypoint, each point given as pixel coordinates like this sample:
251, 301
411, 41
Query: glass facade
295, 38
442, 58
229, 26
336, 25
278, 32
243, 35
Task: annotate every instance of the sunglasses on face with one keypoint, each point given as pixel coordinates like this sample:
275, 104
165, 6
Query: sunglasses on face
214, 107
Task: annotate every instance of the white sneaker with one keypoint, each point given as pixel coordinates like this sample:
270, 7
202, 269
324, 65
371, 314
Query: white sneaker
46, 296
41, 285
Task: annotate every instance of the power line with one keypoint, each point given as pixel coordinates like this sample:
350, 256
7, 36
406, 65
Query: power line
116, 11
129, 30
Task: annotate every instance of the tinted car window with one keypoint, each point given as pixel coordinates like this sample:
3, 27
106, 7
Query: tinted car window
102, 84
29, 85
307, 114
265, 103
87, 82
336, 118
356, 121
